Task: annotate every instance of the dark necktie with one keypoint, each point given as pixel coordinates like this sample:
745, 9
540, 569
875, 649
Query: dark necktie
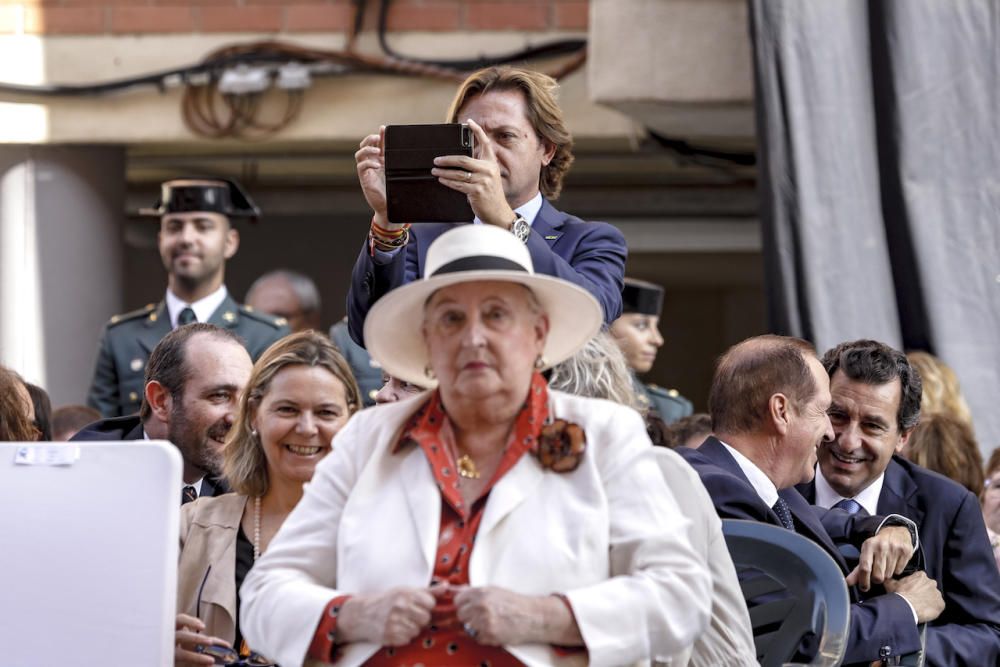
186, 316
188, 493
851, 506
784, 514
850, 552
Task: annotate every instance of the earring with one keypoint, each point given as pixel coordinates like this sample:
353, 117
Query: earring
429, 372
253, 433
539, 363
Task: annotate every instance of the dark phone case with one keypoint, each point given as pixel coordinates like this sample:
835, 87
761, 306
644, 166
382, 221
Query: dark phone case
412, 193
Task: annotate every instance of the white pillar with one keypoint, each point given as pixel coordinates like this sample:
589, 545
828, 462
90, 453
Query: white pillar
61, 216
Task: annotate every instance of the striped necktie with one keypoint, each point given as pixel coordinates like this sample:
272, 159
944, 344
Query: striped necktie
188, 493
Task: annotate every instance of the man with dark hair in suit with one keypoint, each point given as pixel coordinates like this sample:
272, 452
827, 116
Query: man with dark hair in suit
193, 381
768, 402
523, 152
875, 405
196, 238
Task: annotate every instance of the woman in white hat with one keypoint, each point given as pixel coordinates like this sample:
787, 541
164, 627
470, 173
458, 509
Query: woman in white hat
489, 520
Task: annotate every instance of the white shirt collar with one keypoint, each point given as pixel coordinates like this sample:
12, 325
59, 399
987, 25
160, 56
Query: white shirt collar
528, 210
868, 498
761, 483
203, 308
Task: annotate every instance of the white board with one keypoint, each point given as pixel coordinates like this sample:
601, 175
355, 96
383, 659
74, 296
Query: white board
88, 553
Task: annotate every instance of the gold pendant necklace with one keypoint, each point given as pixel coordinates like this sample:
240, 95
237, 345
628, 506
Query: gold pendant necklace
467, 467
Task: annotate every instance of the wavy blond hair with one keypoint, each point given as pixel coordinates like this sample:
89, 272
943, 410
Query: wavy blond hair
244, 464
946, 444
942, 393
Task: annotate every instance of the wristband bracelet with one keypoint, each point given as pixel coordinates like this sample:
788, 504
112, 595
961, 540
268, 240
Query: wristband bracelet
386, 245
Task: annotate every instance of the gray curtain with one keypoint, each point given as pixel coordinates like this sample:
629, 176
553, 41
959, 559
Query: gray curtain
879, 145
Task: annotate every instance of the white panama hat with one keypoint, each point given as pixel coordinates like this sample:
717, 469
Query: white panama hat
465, 254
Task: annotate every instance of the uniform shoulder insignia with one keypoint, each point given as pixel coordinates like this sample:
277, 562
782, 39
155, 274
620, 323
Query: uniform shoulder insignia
665, 393
132, 315
276, 322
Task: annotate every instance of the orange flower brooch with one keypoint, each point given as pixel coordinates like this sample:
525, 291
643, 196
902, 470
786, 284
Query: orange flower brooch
561, 445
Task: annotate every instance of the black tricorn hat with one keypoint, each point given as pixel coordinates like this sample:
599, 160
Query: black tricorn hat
213, 195
638, 296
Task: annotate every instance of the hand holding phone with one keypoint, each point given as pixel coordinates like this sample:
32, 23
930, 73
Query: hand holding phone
478, 178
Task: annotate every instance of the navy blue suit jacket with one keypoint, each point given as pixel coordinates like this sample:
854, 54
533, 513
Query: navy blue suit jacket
957, 555
882, 621
589, 254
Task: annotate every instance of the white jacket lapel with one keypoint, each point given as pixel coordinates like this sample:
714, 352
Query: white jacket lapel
509, 492
423, 500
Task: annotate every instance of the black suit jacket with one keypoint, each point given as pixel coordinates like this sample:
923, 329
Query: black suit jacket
957, 555
882, 622
130, 428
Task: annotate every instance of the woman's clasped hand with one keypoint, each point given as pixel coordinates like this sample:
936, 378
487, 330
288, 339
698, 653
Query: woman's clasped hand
491, 615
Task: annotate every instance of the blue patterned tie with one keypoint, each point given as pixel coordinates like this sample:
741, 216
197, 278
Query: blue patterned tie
784, 514
850, 552
851, 506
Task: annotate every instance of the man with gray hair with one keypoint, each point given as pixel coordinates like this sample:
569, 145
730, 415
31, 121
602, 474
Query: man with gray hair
287, 294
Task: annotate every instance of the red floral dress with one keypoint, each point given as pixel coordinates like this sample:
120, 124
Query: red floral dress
444, 642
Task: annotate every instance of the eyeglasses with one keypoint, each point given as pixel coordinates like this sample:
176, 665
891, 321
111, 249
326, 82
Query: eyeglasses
223, 655
991, 484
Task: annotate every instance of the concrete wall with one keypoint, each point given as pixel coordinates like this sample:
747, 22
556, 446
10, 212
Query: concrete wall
60, 260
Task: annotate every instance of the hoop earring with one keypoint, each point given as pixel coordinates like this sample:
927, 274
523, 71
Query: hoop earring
539, 363
429, 372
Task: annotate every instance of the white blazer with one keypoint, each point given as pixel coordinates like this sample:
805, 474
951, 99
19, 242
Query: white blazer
609, 535
728, 641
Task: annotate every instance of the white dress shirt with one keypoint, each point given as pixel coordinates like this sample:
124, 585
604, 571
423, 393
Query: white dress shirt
868, 498
203, 308
761, 483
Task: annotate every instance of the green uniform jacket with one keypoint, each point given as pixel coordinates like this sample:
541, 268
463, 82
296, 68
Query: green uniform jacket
366, 370
128, 340
666, 404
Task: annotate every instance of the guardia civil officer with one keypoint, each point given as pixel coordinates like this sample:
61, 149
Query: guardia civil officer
196, 238
638, 336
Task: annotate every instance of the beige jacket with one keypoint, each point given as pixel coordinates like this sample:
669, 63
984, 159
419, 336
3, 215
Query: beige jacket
208, 547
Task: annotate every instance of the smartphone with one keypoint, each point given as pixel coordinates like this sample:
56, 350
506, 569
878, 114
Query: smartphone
412, 193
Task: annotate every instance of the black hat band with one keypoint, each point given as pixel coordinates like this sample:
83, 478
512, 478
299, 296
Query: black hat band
479, 263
